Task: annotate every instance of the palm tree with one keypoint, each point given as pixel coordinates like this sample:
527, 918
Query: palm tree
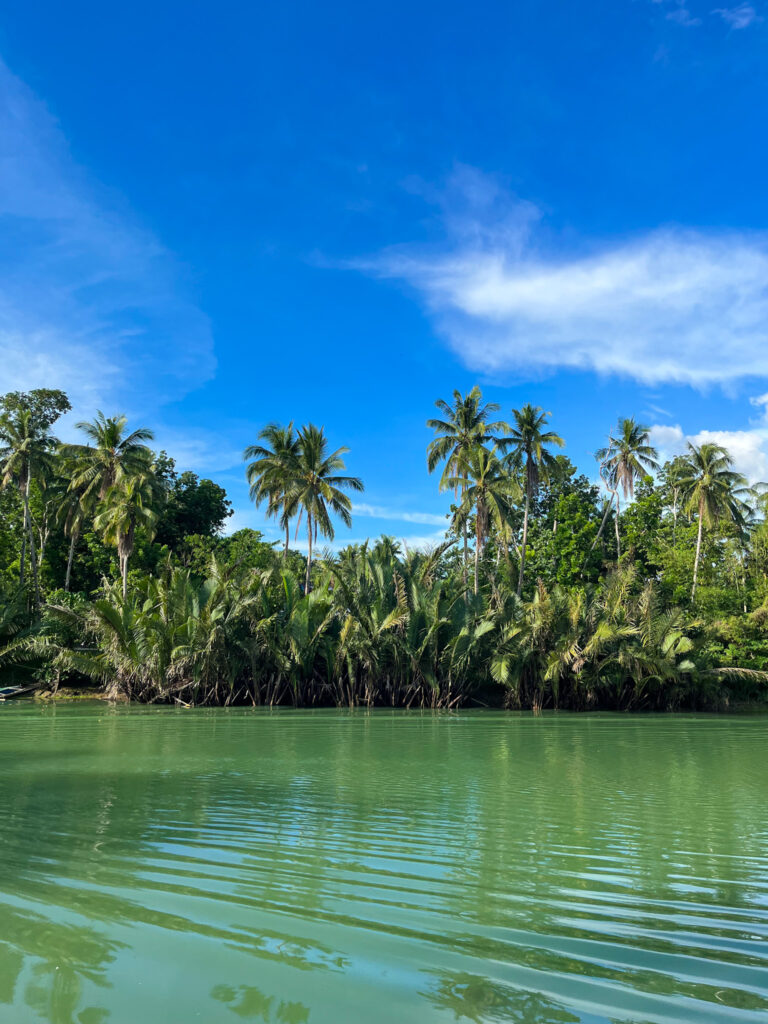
272, 472
76, 502
712, 490
25, 452
627, 458
74, 506
529, 442
466, 424
128, 505
317, 490
490, 490
110, 455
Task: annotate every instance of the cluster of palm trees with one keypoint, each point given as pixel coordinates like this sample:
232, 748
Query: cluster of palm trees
371, 624
109, 478
383, 628
491, 466
495, 469
296, 476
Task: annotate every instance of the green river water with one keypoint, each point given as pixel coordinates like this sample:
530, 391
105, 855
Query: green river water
163, 866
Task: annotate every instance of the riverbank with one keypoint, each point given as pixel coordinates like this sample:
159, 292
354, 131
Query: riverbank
68, 694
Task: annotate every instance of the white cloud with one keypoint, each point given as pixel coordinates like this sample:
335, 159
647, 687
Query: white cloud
673, 305
749, 448
669, 440
379, 512
738, 17
90, 301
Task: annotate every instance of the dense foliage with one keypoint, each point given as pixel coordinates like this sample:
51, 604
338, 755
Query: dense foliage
650, 591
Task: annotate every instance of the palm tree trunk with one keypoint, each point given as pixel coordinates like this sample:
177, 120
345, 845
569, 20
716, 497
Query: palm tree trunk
525, 540
72, 544
124, 574
22, 559
309, 559
32, 551
464, 534
287, 539
477, 549
618, 540
674, 519
608, 506
698, 554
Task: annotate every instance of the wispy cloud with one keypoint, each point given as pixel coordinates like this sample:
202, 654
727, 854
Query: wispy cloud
673, 305
90, 300
380, 512
741, 16
683, 16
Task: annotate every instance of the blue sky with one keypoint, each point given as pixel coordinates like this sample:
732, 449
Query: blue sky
216, 215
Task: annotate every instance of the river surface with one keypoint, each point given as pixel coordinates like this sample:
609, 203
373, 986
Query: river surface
163, 866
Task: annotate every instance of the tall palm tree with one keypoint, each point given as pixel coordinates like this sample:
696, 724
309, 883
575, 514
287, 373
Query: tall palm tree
109, 455
627, 458
529, 441
712, 490
26, 447
74, 506
129, 504
317, 489
272, 472
490, 490
465, 424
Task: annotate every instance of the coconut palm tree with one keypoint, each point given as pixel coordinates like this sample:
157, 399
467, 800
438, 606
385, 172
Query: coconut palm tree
74, 506
712, 490
76, 501
490, 490
528, 441
110, 454
317, 489
129, 504
272, 472
26, 452
466, 423
627, 458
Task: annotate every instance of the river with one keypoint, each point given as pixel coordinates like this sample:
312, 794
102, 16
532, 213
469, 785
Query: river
162, 866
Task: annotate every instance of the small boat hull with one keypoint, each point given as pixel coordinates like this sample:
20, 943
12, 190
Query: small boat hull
9, 692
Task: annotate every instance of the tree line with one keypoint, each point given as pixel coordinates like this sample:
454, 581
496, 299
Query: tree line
649, 590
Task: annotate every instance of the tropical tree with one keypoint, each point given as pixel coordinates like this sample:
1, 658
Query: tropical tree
75, 503
272, 472
110, 455
466, 424
317, 489
528, 442
26, 452
626, 459
129, 503
712, 490
491, 491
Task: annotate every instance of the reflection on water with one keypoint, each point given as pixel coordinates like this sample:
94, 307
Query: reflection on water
478, 999
294, 867
251, 1004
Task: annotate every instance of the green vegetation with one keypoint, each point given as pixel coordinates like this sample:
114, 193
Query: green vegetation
114, 569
